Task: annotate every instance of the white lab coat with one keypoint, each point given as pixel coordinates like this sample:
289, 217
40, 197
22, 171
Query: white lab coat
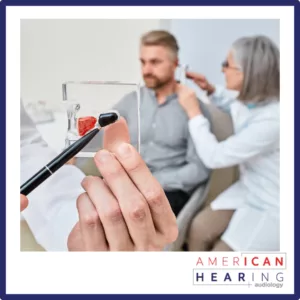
255, 148
51, 213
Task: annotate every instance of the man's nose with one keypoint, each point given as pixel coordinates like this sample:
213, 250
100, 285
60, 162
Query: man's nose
147, 69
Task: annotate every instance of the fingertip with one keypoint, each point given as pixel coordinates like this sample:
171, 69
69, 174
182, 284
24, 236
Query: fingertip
23, 202
121, 120
102, 156
178, 86
85, 181
124, 150
115, 134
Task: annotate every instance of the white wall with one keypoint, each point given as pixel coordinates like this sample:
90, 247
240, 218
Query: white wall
204, 43
54, 51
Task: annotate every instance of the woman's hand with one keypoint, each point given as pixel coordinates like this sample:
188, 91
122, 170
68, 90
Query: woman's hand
201, 81
188, 100
23, 202
127, 210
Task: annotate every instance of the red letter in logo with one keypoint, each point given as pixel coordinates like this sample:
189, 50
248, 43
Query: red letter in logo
267, 262
253, 261
199, 261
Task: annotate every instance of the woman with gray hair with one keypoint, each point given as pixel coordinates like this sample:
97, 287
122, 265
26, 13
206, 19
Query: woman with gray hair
245, 217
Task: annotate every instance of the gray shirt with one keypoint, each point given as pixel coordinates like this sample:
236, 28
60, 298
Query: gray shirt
166, 145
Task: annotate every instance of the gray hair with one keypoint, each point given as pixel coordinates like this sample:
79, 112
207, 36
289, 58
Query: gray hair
258, 58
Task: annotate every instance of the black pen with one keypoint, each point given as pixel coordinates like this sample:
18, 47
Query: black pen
32, 183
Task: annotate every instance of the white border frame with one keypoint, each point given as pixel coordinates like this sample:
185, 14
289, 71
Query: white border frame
135, 272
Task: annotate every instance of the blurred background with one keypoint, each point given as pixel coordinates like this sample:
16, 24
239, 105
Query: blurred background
54, 51
57, 50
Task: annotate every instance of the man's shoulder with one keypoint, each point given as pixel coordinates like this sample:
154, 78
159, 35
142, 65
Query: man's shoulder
134, 93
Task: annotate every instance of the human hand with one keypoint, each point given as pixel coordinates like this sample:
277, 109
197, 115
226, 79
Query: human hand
23, 202
127, 210
72, 161
201, 81
188, 100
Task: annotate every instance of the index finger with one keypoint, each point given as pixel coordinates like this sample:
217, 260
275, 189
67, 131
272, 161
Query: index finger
194, 76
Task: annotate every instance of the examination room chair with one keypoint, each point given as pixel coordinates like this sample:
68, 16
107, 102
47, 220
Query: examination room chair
218, 181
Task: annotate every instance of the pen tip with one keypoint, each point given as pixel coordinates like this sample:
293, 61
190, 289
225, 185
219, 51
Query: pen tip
108, 118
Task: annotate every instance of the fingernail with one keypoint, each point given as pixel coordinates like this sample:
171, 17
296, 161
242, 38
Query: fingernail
124, 150
103, 156
85, 180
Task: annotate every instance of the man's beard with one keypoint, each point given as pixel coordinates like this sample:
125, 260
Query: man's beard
155, 83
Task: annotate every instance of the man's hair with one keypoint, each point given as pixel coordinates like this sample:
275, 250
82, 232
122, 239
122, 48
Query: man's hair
161, 38
258, 59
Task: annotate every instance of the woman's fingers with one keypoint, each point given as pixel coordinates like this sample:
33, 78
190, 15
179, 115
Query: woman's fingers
92, 232
134, 207
110, 214
195, 76
199, 80
162, 214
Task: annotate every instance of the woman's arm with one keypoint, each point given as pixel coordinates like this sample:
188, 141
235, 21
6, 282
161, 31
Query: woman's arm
222, 98
260, 136
218, 95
